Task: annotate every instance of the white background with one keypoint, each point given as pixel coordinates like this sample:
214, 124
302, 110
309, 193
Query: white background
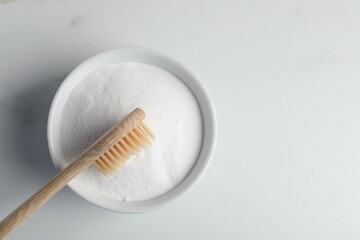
284, 77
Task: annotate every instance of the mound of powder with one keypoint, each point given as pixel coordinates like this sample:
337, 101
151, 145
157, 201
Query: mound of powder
104, 97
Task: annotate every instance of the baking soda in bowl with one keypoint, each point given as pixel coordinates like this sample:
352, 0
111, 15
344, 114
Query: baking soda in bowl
104, 97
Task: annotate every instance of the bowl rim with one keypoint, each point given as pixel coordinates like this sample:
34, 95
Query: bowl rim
209, 124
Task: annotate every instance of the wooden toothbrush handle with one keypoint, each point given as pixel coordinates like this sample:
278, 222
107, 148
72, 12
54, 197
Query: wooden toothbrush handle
43, 195
88, 157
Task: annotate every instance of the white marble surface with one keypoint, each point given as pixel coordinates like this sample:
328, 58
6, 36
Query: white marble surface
284, 77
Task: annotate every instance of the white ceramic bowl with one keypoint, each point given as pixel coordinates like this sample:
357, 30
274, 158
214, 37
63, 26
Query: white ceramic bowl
143, 55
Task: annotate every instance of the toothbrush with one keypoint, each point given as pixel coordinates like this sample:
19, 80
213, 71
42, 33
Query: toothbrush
108, 153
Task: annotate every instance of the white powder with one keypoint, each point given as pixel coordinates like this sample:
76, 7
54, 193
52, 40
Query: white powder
104, 97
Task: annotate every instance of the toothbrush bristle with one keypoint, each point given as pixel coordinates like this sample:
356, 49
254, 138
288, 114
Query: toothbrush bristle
137, 139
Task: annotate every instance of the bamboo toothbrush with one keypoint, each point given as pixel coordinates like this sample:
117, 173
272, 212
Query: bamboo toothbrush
108, 153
